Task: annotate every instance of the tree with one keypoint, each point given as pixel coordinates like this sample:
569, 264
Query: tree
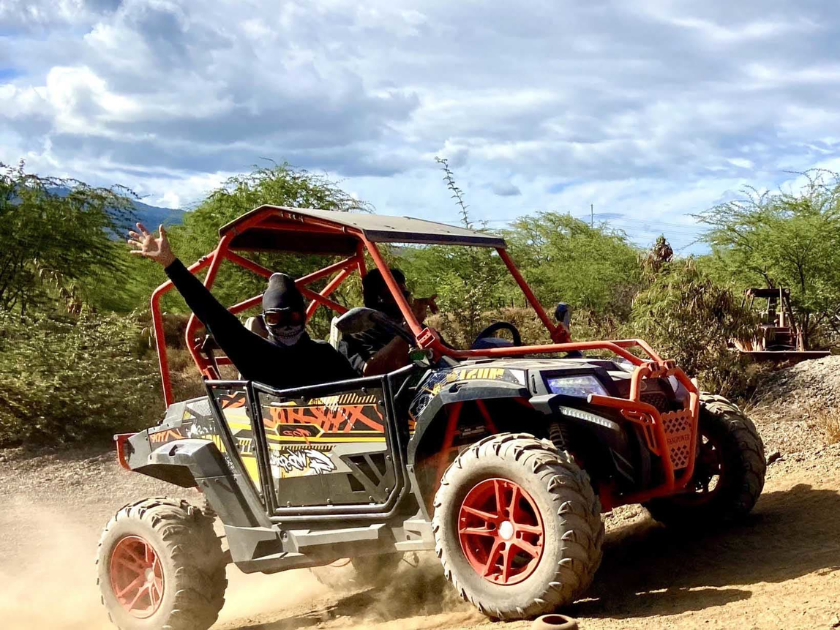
783, 239
68, 378
469, 281
280, 185
690, 318
57, 241
563, 258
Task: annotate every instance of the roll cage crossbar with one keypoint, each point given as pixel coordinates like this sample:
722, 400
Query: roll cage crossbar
274, 228
290, 221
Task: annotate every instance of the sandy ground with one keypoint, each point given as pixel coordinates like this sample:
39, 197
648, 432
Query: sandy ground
780, 569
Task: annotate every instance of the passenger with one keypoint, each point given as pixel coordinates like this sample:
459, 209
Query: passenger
378, 350
288, 358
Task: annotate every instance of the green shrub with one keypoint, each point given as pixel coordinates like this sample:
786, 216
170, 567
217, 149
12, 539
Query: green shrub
67, 379
687, 317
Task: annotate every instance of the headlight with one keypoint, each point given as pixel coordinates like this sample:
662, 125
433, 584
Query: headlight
578, 386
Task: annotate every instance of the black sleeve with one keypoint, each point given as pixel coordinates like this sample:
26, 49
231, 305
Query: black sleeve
340, 368
357, 350
239, 344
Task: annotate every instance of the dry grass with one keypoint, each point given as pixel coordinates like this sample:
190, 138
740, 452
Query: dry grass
828, 421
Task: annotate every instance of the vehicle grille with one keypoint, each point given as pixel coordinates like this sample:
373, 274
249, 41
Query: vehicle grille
656, 399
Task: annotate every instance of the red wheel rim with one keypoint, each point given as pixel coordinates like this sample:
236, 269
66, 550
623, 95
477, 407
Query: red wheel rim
501, 531
137, 577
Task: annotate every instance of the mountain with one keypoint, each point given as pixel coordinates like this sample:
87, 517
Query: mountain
150, 216
153, 216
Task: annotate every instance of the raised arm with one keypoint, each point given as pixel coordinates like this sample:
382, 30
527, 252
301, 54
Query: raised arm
231, 335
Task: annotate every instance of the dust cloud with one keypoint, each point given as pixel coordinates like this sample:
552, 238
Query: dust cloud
48, 582
414, 595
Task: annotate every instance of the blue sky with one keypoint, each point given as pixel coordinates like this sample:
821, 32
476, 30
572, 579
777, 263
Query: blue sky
650, 110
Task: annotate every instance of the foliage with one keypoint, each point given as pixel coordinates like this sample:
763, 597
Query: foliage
280, 185
564, 259
68, 378
72, 372
687, 317
783, 239
658, 256
56, 241
469, 281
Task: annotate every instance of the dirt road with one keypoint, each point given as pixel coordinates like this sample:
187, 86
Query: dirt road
780, 569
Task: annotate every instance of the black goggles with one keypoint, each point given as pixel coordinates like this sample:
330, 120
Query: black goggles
283, 317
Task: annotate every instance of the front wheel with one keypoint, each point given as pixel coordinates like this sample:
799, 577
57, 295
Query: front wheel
160, 565
517, 527
728, 472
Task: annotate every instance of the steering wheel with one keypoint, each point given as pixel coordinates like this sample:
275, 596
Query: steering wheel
493, 328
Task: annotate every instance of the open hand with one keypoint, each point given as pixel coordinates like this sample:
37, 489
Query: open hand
145, 244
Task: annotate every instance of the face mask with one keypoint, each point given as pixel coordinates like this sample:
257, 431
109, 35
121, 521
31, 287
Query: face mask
285, 335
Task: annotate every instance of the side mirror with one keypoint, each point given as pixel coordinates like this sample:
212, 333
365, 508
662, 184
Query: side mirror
563, 314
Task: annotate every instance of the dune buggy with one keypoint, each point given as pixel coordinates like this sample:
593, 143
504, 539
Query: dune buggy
501, 458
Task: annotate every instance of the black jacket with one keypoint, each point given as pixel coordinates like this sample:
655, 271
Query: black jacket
307, 362
359, 348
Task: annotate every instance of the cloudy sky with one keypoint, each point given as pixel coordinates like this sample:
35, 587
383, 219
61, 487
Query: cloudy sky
650, 110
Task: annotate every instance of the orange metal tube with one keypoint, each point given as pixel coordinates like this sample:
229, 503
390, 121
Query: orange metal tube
405, 309
193, 324
157, 325
347, 263
653, 414
543, 349
448, 439
488, 420
246, 304
250, 265
327, 290
317, 297
557, 333
640, 343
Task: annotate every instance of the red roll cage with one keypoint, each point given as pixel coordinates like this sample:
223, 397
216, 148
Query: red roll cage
276, 228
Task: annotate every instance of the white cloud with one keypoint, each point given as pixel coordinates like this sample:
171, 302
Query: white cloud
648, 110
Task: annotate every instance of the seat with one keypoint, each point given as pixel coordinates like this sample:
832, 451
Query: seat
335, 334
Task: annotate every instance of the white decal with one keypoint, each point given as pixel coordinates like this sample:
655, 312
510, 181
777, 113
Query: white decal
309, 461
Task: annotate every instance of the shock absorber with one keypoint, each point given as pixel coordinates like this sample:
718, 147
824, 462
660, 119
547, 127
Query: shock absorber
560, 436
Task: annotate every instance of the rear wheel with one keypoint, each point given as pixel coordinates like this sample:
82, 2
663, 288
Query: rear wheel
160, 565
517, 527
728, 473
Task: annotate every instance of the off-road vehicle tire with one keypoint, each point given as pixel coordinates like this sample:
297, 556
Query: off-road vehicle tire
173, 544
358, 573
738, 450
555, 503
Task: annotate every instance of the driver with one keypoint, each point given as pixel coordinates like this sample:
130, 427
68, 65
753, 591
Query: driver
289, 358
378, 350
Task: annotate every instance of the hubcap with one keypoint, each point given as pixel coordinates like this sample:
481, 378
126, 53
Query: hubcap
501, 531
136, 577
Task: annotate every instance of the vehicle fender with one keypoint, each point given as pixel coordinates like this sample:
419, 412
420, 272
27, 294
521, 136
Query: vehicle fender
460, 391
199, 463
201, 458
619, 451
